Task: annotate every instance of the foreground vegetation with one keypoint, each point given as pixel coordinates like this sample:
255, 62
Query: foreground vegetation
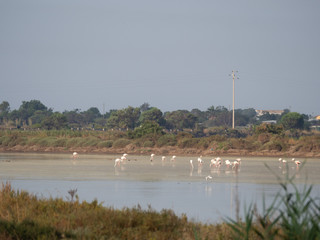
293, 214
24, 216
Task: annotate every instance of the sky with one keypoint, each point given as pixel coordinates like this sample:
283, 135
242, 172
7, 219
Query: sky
171, 54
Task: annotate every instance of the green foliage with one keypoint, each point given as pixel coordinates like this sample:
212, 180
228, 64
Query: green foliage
105, 144
152, 115
28, 229
167, 140
292, 120
26, 217
124, 119
121, 143
180, 119
148, 143
151, 135
269, 128
276, 143
188, 142
146, 128
55, 121
293, 214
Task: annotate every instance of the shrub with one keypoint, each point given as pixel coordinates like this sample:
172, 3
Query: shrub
60, 142
121, 143
167, 140
148, 143
91, 142
203, 143
264, 137
274, 145
46, 142
28, 229
188, 142
105, 144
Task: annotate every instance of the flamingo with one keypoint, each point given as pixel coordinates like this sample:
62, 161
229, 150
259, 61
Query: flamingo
75, 155
173, 158
191, 164
297, 162
235, 164
228, 163
123, 158
238, 160
213, 162
200, 161
151, 157
117, 162
218, 164
163, 158
208, 177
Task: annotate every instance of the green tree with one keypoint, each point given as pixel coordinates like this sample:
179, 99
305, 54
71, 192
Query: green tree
4, 107
292, 120
28, 108
55, 121
4, 110
74, 118
91, 114
125, 118
180, 119
147, 128
153, 114
39, 115
201, 116
144, 107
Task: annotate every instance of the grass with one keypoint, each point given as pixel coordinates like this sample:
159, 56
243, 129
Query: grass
25, 216
293, 214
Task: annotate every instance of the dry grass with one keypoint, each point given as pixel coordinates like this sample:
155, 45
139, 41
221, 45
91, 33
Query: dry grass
24, 214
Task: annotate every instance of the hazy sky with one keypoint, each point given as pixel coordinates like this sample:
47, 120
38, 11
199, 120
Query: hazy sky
172, 54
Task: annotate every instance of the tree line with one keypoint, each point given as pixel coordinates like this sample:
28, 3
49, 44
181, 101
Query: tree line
35, 115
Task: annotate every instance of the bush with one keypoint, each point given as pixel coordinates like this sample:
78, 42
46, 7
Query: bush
203, 143
28, 229
105, 144
91, 142
46, 142
167, 140
121, 143
274, 145
60, 142
148, 143
188, 142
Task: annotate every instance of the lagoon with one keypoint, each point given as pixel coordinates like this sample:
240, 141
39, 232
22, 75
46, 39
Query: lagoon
158, 184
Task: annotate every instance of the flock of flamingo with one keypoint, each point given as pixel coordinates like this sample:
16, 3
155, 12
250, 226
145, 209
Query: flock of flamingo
284, 161
214, 163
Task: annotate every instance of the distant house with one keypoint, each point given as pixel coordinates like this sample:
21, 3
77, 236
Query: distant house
269, 122
263, 112
318, 117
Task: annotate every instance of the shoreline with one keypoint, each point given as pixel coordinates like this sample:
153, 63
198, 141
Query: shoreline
159, 151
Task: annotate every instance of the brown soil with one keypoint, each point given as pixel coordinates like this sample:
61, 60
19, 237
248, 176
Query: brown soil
130, 149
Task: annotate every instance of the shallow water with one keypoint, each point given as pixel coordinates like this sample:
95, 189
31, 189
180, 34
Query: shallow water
162, 185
